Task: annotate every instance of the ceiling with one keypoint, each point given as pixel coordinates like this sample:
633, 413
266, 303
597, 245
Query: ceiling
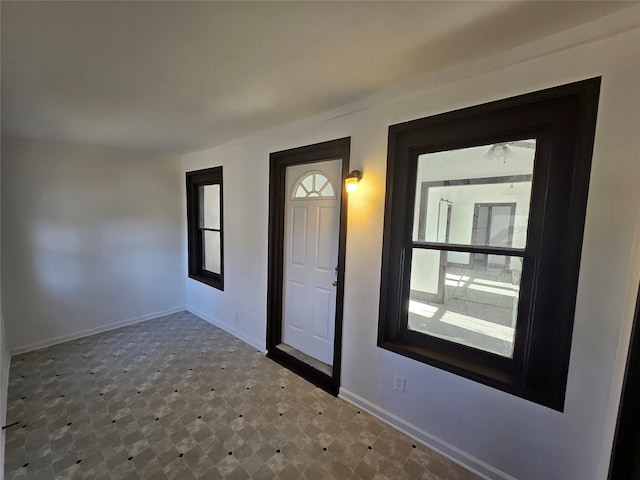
185, 76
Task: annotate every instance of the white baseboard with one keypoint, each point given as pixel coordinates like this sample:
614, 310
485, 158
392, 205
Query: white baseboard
86, 333
454, 454
214, 321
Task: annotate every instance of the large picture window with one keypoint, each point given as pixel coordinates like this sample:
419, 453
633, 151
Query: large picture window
484, 218
204, 218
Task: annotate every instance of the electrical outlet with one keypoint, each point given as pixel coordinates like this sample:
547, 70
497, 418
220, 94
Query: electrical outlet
399, 383
237, 318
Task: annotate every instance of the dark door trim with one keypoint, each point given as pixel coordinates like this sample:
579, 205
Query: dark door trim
279, 161
625, 455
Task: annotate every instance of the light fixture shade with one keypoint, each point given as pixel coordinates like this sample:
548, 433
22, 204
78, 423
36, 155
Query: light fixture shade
351, 181
499, 151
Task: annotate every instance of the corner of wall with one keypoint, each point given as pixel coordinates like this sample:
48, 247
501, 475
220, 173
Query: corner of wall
255, 343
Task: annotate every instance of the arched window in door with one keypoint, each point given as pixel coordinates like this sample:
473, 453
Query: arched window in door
313, 184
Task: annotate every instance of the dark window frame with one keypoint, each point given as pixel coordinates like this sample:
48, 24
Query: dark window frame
562, 119
625, 461
195, 180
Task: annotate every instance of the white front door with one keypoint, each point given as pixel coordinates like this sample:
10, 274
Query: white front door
312, 222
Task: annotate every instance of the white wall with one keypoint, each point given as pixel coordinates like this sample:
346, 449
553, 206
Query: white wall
92, 238
498, 434
240, 309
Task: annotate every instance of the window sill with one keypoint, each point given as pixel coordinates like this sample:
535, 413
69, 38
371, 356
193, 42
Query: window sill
498, 378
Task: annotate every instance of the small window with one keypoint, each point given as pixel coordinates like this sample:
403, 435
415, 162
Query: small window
204, 218
484, 217
313, 185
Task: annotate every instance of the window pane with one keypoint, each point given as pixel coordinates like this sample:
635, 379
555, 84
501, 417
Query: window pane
328, 190
473, 303
320, 181
210, 206
211, 260
308, 183
300, 192
475, 196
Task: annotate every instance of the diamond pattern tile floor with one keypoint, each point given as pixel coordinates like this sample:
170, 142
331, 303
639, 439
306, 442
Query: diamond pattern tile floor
178, 398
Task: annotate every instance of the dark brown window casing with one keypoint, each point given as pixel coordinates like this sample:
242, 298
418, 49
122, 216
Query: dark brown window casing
196, 230
562, 120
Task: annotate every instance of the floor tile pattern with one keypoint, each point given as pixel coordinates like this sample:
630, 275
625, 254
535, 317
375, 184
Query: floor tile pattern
177, 398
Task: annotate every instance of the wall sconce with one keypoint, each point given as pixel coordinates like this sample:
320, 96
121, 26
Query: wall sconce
351, 181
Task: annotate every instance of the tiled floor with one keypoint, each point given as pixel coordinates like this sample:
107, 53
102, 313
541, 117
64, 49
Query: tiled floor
177, 398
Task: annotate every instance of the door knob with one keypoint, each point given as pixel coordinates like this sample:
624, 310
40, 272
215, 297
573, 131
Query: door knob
334, 283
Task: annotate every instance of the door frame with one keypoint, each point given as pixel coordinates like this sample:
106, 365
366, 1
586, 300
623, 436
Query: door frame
625, 463
279, 161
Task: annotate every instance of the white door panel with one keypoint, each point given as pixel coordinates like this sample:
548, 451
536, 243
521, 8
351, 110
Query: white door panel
296, 304
326, 239
312, 222
299, 236
321, 312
